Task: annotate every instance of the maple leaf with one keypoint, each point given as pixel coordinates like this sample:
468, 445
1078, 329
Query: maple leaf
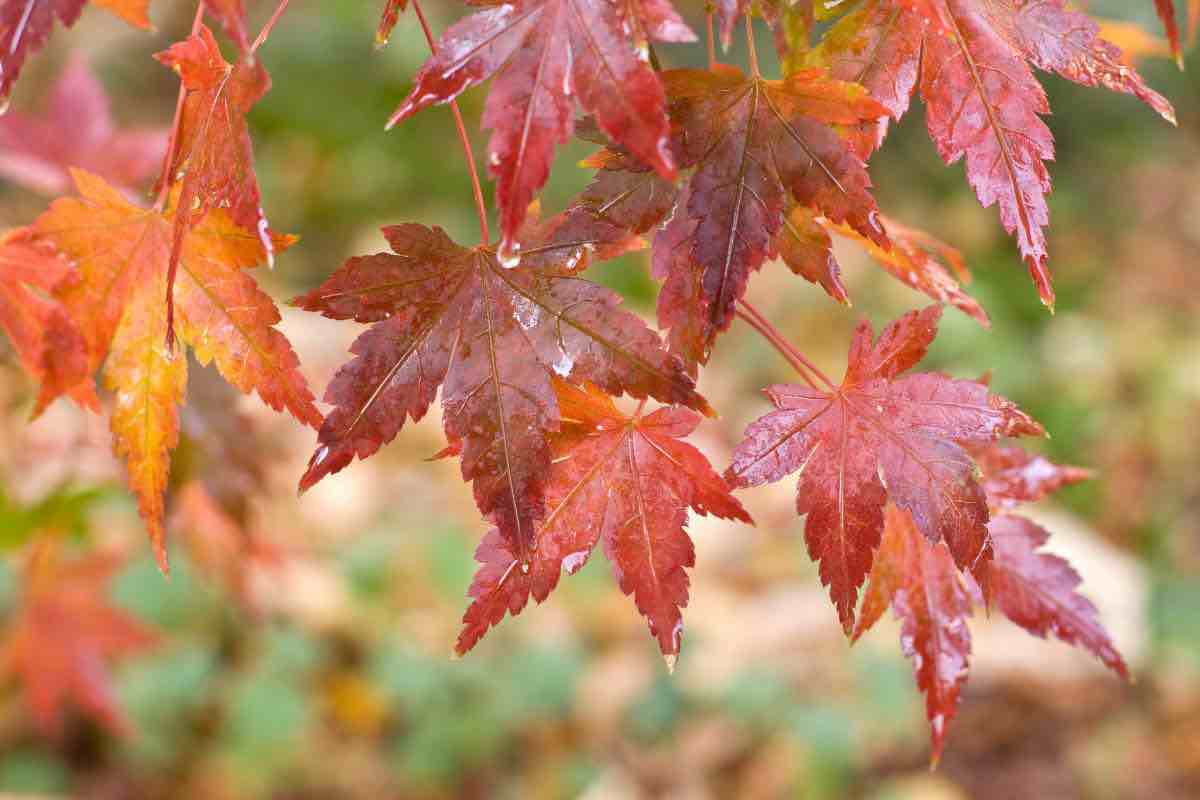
754, 144
76, 130
625, 481
123, 252
542, 52
983, 103
63, 636
47, 341
921, 583
492, 338
880, 436
213, 160
25, 25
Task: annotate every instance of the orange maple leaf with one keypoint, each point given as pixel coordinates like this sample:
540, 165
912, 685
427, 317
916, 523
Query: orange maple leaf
122, 252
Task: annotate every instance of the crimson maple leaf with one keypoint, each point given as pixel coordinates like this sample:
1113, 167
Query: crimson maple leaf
492, 338
973, 62
123, 253
881, 435
933, 600
47, 341
213, 161
25, 25
63, 636
754, 144
542, 52
921, 583
76, 130
625, 481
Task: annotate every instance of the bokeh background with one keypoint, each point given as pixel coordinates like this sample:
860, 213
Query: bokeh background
306, 654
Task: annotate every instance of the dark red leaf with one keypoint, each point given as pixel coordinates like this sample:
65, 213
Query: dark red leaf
756, 145
493, 339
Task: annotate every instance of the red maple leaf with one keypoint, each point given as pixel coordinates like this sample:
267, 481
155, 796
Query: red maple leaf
76, 130
542, 53
973, 60
25, 25
63, 637
625, 481
493, 339
881, 435
921, 583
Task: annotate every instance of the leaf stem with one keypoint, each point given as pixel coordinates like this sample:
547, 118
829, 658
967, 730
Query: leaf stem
266, 29
806, 369
751, 48
485, 235
164, 179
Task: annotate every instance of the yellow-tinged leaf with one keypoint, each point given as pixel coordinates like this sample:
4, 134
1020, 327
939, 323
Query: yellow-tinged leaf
148, 383
122, 252
226, 318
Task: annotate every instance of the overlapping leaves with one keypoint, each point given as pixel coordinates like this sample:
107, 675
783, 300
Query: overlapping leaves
544, 52
493, 339
111, 266
974, 63
933, 599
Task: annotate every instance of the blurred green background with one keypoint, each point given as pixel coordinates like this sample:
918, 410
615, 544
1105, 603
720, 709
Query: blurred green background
317, 665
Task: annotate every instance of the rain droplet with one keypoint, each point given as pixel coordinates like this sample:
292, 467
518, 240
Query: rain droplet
320, 455
524, 567
509, 256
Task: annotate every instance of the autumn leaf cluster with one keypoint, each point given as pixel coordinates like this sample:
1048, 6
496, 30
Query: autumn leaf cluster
904, 484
